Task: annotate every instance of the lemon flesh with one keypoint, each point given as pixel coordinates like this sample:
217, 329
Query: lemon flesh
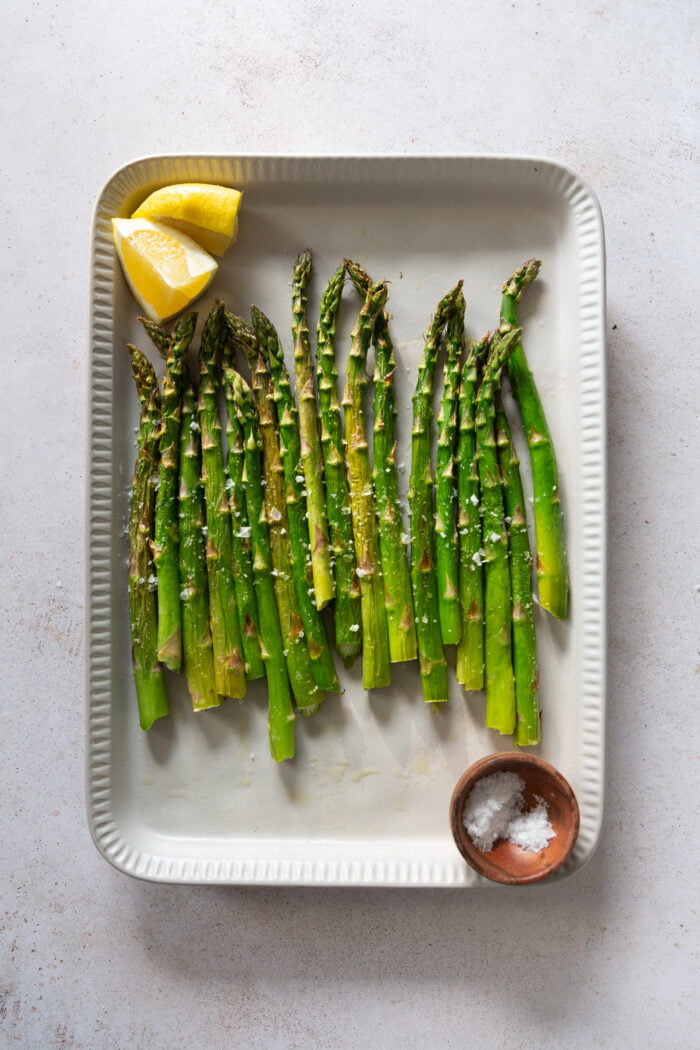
205, 212
165, 269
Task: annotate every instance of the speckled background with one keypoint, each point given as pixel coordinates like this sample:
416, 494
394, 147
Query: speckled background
92, 959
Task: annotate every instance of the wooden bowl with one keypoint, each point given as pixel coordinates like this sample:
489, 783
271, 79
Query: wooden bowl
506, 862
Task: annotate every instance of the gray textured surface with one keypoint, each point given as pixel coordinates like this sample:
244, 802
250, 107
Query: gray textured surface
92, 959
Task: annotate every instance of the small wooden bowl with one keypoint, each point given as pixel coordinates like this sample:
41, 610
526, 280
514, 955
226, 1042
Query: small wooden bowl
506, 862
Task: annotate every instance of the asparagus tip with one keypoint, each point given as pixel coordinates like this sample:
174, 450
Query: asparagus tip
523, 276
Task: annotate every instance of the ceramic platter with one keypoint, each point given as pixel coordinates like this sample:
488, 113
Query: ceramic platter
365, 802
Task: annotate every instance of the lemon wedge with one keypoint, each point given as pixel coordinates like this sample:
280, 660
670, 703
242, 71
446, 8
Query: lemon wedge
165, 269
205, 212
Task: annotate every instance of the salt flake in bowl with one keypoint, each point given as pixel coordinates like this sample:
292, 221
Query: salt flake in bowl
495, 809
514, 817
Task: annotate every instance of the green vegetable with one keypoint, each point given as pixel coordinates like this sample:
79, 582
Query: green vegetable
143, 613
290, 452
375, 633
346, 613
431, 655
197, 646
527, 729
241, 547
280, 721
299, 664
398, 596
470, 651
226, 635
311, 458
165, 539
552, 571
446, 541
500, 688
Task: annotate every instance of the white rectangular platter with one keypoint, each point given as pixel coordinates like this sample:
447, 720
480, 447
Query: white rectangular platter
365, 802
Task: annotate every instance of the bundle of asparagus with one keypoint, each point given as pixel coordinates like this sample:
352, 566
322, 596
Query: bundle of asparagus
300, 512
296, 652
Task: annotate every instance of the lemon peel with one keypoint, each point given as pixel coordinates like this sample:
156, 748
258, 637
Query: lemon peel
204, 211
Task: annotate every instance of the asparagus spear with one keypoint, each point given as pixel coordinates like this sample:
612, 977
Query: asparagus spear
299, 664
246, 603
470, 651
392, 536
446, 543
431, 655
226, 636
197, 647
552, 572
280, 722
527, 730
148, 671
500, 689
347, 614
311, 459
165, 536
375, 633
290, 451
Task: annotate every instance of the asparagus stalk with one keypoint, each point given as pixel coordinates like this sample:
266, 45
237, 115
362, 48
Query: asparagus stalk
290, 451
393, 538
375, 633
470, 651
149, 679
552, 572
500, 689
241, 547
226, 635
431, 655
299, 664
280, 721
165, 537
347, 614
311, 458
527, 729
197, 647
446, 542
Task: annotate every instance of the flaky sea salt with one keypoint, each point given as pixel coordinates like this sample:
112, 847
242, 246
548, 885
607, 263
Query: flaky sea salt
495, 809
491, 805
532, 830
